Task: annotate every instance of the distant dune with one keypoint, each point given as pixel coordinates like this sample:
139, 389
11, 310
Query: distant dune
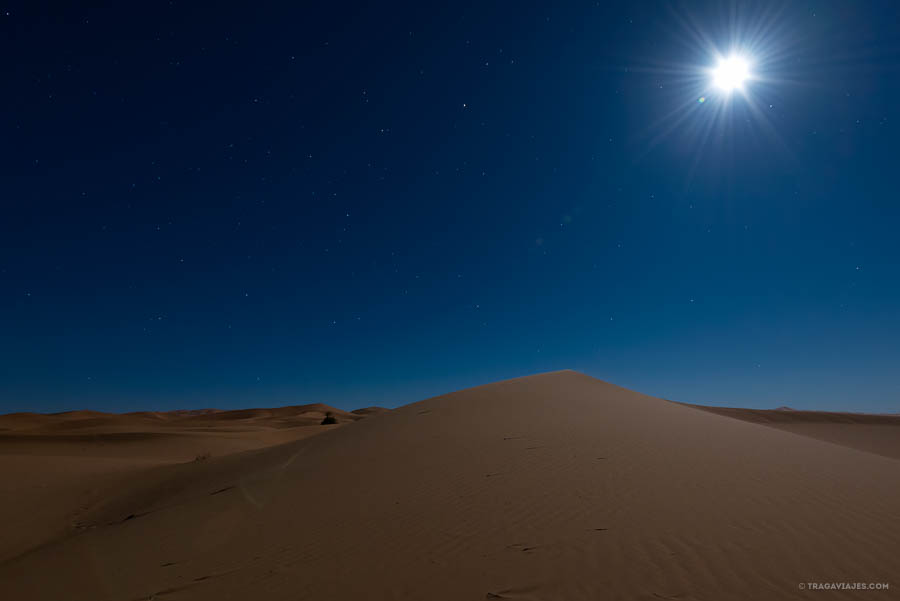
873, 433
551, 487
57, 465
365, 411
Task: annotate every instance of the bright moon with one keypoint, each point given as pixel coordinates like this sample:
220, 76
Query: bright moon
731, 73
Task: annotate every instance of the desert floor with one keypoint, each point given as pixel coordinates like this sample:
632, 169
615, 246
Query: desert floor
554, 487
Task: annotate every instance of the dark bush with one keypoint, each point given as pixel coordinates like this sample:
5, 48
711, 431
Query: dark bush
329, 419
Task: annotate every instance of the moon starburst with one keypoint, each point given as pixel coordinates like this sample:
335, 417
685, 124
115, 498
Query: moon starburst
731, 73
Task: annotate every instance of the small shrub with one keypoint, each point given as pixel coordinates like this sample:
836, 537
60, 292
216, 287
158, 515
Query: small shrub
203, 456
329, 419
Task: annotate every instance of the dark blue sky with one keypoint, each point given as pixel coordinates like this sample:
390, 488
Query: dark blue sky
269, 204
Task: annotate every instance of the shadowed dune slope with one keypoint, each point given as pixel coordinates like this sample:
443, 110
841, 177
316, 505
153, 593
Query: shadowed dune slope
873, 433
556, 486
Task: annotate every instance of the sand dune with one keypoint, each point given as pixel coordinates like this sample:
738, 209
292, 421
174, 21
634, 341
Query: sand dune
556, 486
879, 434
58, 465
365, 411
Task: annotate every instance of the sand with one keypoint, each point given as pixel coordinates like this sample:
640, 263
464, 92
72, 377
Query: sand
57, 466
878, 434
556, 486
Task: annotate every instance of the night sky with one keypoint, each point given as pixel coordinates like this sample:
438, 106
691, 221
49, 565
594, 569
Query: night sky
358, 204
